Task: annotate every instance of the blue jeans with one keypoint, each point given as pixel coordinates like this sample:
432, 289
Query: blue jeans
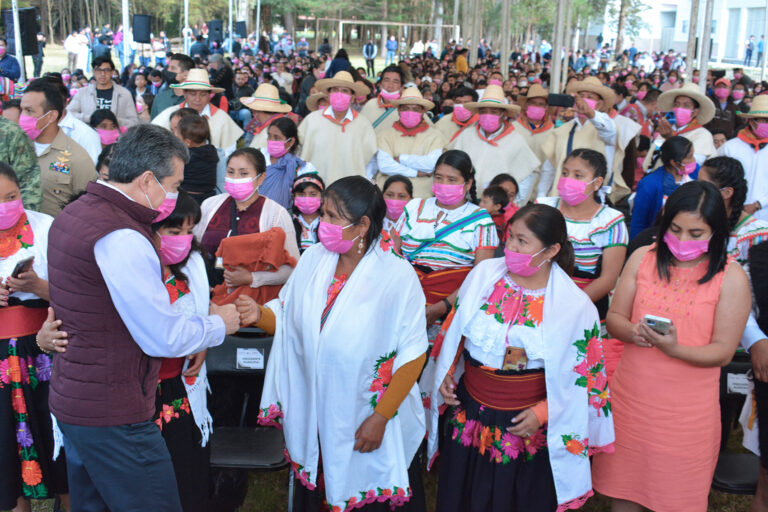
126, 468
145, 61
159, 61
390, 58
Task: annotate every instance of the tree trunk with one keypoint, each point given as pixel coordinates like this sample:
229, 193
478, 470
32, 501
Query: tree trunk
621, 26
290, 24
439, 22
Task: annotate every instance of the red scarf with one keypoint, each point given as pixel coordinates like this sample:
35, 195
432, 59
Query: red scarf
344, 122
258, 129
412, 132
213, 107
546, 125
383, 105
691, 126
506, 131
746, 135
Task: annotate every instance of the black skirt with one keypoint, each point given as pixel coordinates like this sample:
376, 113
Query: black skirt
484, 468
182, 436
27, 467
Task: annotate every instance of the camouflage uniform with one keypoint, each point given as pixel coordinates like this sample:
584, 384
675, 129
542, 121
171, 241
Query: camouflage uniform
17, 151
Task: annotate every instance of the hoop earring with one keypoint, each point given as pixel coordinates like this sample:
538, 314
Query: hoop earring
360, 247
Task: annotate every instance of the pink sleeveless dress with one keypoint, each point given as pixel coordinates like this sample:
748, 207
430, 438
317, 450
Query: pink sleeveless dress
666, 411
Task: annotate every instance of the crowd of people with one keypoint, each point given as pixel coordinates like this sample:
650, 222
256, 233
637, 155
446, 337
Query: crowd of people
534, 289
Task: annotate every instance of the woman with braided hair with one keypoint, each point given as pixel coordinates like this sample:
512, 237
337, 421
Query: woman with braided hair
727, 174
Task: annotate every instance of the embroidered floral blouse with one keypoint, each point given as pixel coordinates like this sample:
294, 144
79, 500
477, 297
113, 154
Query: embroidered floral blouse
510, 317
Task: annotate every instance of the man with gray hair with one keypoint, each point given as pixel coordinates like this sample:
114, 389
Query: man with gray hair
107, 289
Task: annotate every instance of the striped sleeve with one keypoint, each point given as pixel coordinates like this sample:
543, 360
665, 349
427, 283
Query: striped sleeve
617, 234
486, 236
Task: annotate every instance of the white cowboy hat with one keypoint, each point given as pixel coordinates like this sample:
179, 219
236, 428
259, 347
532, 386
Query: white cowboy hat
412, 96
595, 86
666, 101
343, 79
197, 80
266, 99
493, 97
759, 107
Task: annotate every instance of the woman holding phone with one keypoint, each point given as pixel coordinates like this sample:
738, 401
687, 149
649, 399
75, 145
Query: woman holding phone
665, 389
27, 468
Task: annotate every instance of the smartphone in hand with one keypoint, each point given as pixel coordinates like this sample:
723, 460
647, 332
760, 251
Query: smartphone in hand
22, 266
659, 324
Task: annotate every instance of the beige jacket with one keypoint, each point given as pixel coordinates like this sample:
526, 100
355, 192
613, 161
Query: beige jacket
83, 105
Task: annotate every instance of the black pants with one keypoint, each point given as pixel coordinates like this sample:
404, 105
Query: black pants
125, 468
369, 68
38, 65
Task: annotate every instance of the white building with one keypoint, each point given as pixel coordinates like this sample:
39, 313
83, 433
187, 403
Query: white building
733, 21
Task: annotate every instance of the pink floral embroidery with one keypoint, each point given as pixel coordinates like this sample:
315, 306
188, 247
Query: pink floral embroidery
271, 416
397, 497
382, 375
590, 369
502, 447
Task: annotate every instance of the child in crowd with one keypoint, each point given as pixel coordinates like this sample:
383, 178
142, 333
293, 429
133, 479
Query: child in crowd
398, 190
105, 123
509, 185
307, 198
643, 146
495, 201
200, 171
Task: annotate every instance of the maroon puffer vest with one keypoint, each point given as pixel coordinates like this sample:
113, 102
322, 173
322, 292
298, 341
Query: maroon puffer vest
103, 378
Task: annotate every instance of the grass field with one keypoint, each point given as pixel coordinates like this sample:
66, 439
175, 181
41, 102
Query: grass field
268, 492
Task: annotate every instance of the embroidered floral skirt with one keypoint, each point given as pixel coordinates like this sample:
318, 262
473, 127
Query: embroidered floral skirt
484, 468
182, 436
26, 434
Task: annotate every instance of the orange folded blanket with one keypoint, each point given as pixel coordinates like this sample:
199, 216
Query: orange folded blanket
256, 252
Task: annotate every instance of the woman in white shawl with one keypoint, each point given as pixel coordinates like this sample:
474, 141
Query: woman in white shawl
350, 342
523, 344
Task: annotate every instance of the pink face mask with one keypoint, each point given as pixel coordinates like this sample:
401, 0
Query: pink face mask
737, 94
340, 101
10, 213
688, 169
332, 237
687, 250
722, 93
174, 248
108, 136
640, 162
389, 96
447, 194
683, 116
572, 191
410, 119
695, 79
240, 188
2, 51
535, 113
307, 205
641, 94
395, 208
461, 113
761, 132
276, 148
166, 207
628, 83
29, 125
592, 103
672, 79
65, 77
489, 122
520, 264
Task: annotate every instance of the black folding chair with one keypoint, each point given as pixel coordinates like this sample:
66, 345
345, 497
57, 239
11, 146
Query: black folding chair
735, 473
242, 447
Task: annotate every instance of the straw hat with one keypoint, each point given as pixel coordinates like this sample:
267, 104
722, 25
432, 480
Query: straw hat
536, 91
412, 96
593, 85
759, 107
343, 79
666, 101
493, 97
266, 99
314, 99
197, 80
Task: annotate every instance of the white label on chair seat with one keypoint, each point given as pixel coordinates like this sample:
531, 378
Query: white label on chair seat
738, 383
250, 359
